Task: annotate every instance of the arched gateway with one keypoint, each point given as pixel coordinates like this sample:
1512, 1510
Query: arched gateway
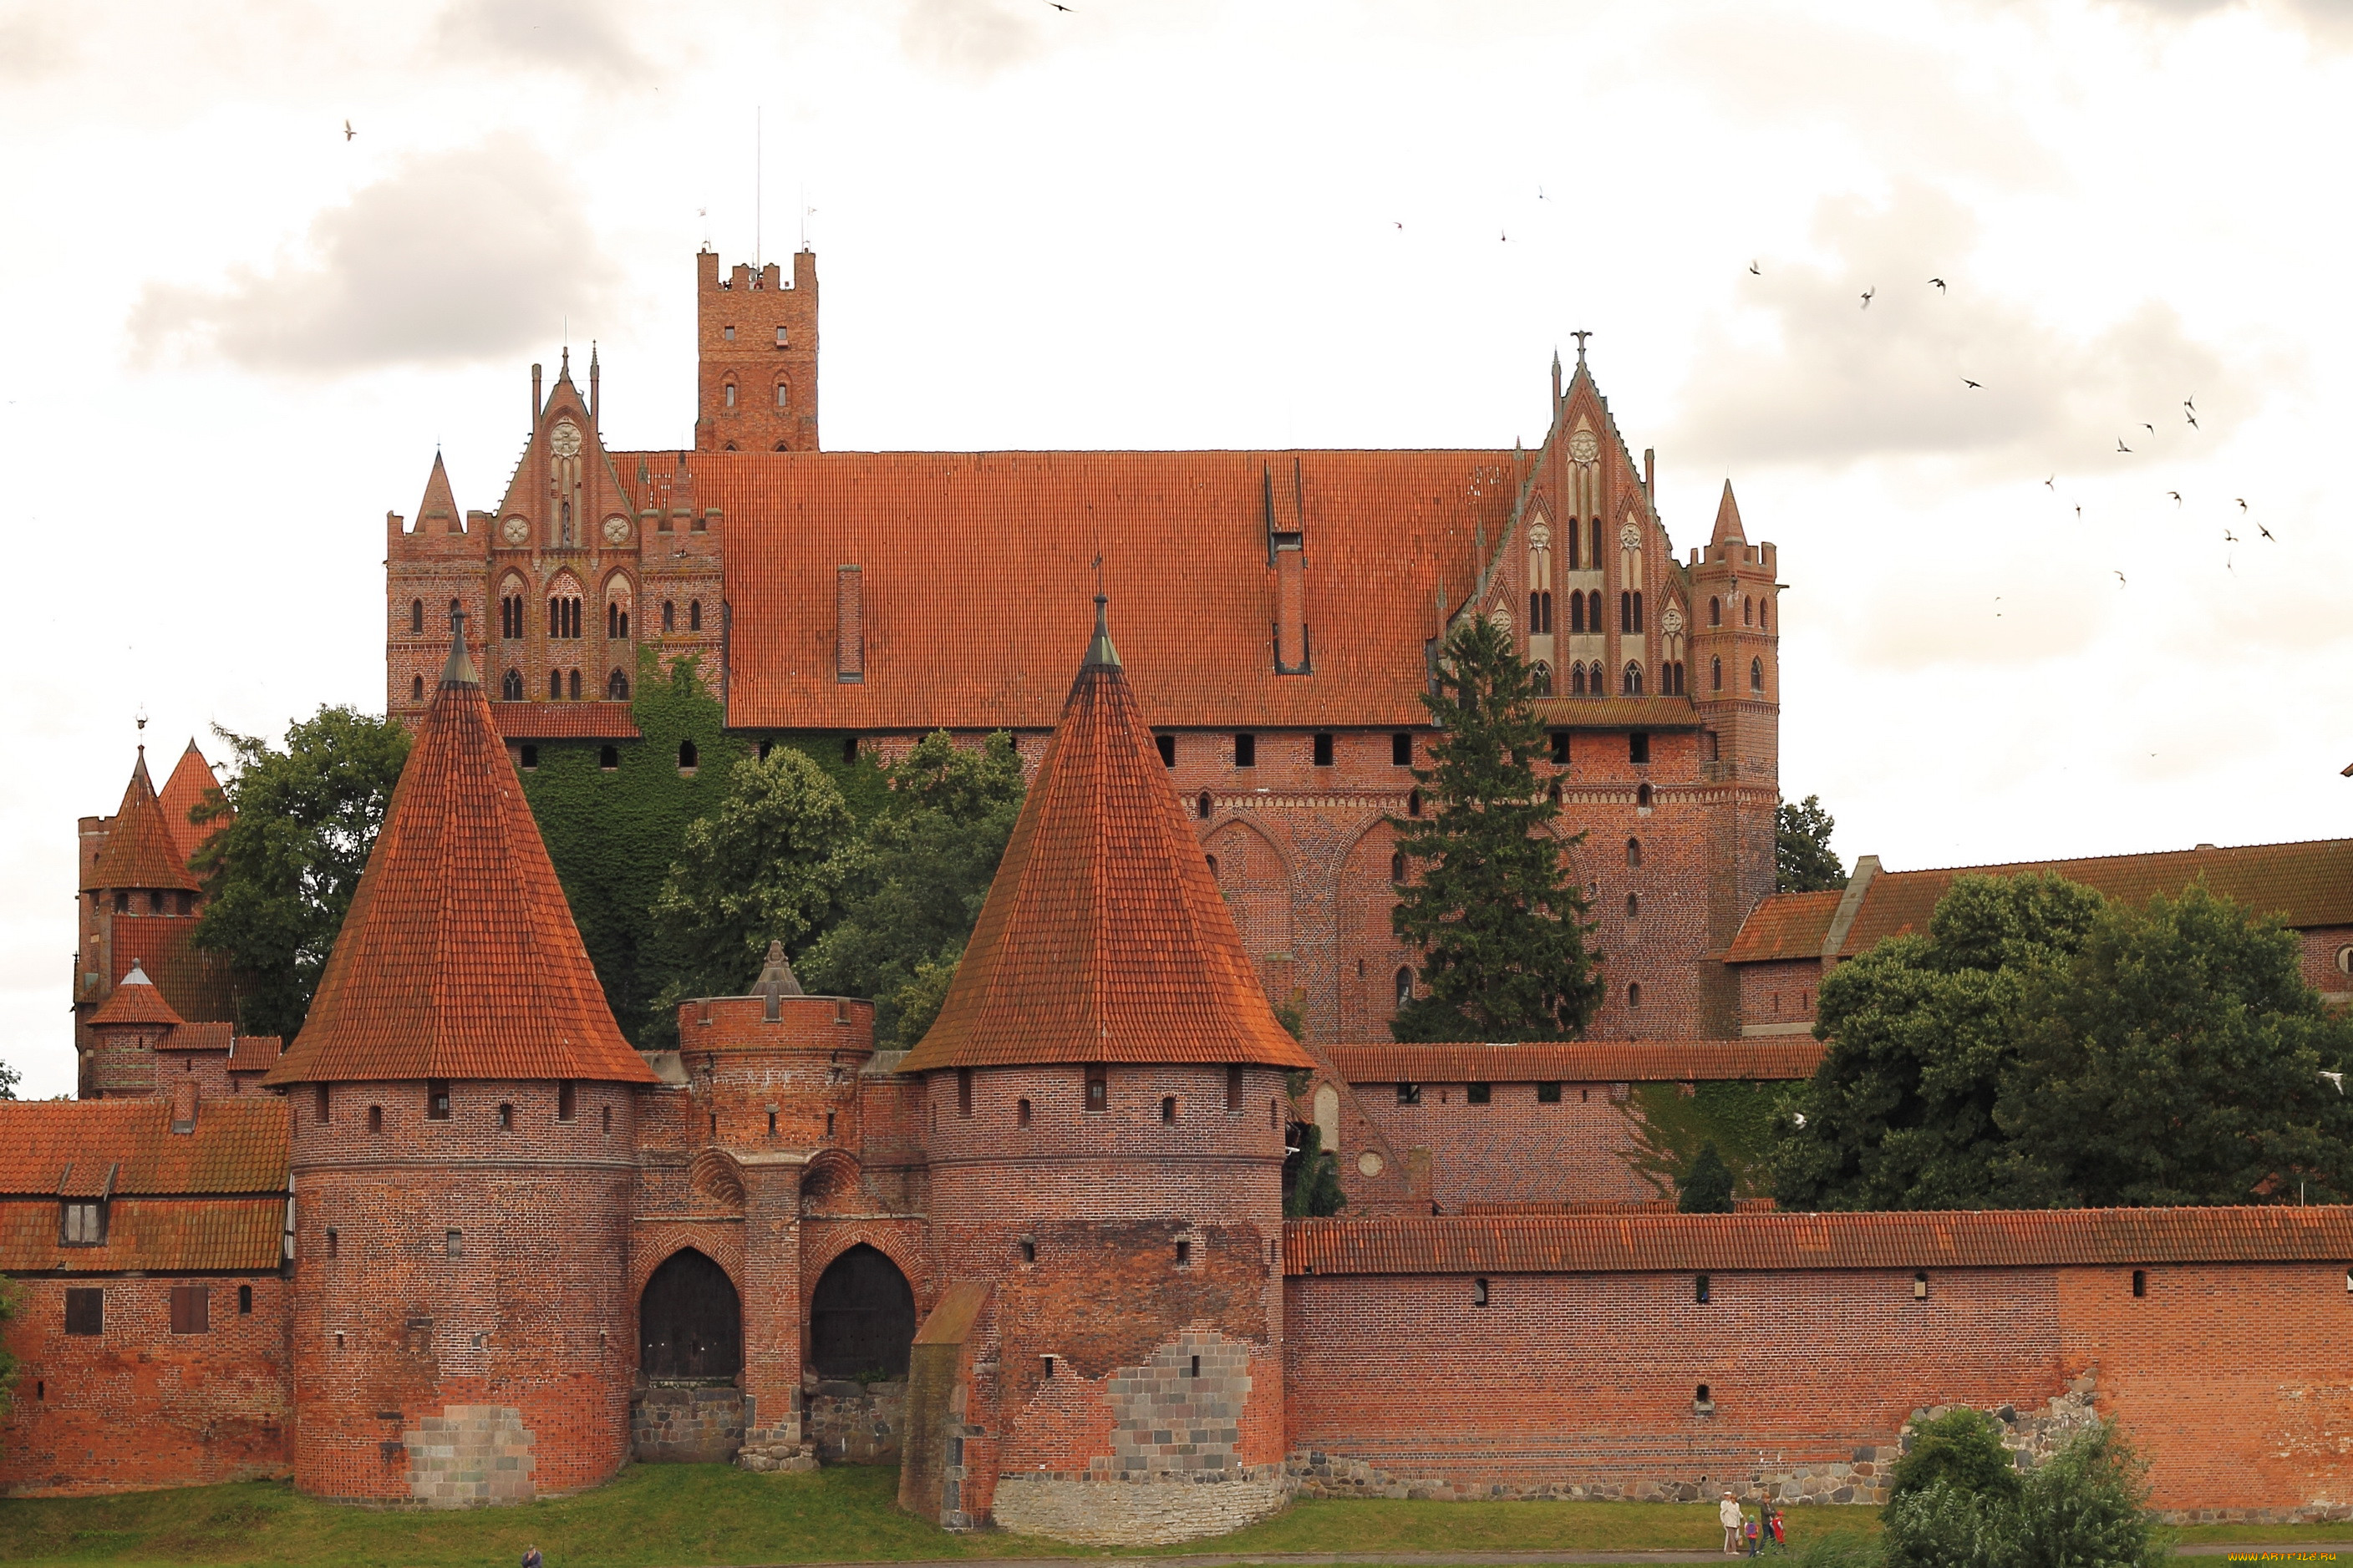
689, 1323
861, 1317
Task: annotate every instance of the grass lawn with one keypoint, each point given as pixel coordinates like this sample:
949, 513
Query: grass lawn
675, 1516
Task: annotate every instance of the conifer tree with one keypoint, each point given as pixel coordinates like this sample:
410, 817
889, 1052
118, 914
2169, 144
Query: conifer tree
1489, 903
1707, 1187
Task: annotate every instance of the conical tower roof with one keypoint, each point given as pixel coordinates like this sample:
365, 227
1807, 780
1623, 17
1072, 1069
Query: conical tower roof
135, 1000
1103, 938
192, 780
1727, 520
141, 850
459, 958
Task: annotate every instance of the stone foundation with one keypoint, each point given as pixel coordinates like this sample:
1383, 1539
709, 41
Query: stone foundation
470, 1455
686, 1424
1139, 1510
855, 1423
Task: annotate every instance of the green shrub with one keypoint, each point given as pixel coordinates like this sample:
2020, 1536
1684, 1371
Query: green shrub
1962, 1448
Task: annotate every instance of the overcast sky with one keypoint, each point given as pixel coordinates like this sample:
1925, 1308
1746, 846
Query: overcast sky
235, 335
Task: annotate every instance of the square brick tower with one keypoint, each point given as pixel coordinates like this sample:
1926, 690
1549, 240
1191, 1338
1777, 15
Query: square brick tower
755, 385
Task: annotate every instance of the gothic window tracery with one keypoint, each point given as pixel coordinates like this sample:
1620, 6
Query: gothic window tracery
1634, 679
511, 688
1540, 679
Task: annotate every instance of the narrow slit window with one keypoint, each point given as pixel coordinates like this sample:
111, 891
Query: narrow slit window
1478, 1292
1167, 747
1183, 1254
1233, 1089
1702, 1289
437, 1100
244, 1301
964, 1092
1021, 1113
567, 1101
1030, 1252
453, 1243
1323, 750
2140, 1281
1168, 1111
1920, 1285
1098, 1089
1401, 750
376, 1118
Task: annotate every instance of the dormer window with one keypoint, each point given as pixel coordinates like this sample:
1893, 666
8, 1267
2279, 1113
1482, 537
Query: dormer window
83, 1223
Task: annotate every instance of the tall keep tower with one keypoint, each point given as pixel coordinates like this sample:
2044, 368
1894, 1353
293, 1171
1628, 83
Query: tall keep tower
755, 387
463, 1126
1103, 1110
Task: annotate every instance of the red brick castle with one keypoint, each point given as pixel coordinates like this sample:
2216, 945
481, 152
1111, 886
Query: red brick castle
460, 1243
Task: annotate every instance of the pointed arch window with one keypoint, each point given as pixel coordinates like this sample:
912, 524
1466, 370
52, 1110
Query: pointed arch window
1716, 612
511, 612
1747, 612
574, 684
617, 686
1595, 555
1404, 987
416, 689
670, 615
1638, 609
1576, 679
1716, 675
1540, 613
730, 395
511, 688
1593, 611
416, 616
1634, 853
1632, 683
555, 686
1764, 615
1576, 612
694, 615
1540, 679
784, 393
1755, 675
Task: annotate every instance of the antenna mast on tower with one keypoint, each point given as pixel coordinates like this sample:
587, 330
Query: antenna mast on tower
756, 193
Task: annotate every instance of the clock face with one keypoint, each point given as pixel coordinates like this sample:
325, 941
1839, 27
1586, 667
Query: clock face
515, 529
1583, 447
617, 529
565, 442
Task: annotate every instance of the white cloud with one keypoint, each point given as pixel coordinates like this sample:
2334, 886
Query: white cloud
576, 35
457, 257
972, 38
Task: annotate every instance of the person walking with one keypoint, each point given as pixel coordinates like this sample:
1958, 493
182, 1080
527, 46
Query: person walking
532, 1558
1727, 1514
1752, 1528
1773, 1527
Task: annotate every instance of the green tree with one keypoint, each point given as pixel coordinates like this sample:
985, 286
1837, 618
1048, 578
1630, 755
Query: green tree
1962, 1448
1499, 920
2178, 1059
9, 1079
916, 888
2088, 1505
12, 1302
1919, 1032
768, 864
1804, 861
2085, 1507
1707, 1187
1315, 1188
279, 878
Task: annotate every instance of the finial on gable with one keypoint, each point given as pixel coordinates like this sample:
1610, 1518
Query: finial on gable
1580, 336
459, 670
1101, 655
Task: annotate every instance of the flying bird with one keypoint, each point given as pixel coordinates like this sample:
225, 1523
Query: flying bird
2335, 1077
1400, 226
2230, 538
1867, 293
2176, 495
2190, 403
1978, 385
2242, 500
2079, 511
348, 131
2265, 533
2194, 420
2148, 426
1940, 283
2120, 579
2052, 483
1756, 270
1057, 5
2120, 445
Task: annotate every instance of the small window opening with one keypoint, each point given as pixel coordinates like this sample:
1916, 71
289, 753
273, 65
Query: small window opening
1168, 1109
1634, 995
416, 615
2140, 1281
828, 1123
1049, 1364
1642, 797
1167, 745
1638, 747
605, 1118
780, 337
506, 1117
567, 1101
1408, 1094
714, 1124
416, 689
86, 1310
334, 1242
1245, 751
1478, 1093
1098, 1090
244, 1300
1401, 749
1560, 748
694, 615
1404, 986
1184, 1253
1478, 1292
1633, 905
1920, 1285
1633, 852
1202, 806
1703, 1398
1021, 1113
850, 748
530, 754
376, 1118
1233, 1089
964, 1092
608, 759
437, 1100
453, 1243
324, 1112
1755, 675
41, 1388
1030, 1251
1702, 1288
1195, 1371
1323, 750
1547, 1094
772, 1125
1396, 866
1413, 803
670, 614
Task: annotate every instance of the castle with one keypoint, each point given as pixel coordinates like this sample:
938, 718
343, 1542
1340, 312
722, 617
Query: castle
462, 1242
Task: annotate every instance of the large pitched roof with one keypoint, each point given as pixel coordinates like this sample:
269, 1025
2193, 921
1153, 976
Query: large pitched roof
192, 780
1103, 938
1638, 1243
459, 957
960, 552
141, 850
2305, 884
111, 1148
1604, 1061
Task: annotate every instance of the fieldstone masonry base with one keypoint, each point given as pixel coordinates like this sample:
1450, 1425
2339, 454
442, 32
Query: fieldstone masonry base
690, 1423
469, 1456
1136, 1510
854, 1423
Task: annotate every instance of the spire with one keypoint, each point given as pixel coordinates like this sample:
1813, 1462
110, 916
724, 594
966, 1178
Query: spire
440, 500
1101, 655
458, 957
191, 783
1727, 520
1103, 938
141, 850
136, 1001
459, 670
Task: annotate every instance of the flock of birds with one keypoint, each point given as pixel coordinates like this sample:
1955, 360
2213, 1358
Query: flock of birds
2189, 413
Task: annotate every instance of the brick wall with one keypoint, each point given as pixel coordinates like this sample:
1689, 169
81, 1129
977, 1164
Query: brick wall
1778, 997
1515, 1148
204, 1407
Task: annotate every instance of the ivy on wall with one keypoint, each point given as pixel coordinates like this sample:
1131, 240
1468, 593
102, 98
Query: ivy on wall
614, 832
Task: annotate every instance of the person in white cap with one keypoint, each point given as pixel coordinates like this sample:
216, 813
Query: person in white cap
1727, 1513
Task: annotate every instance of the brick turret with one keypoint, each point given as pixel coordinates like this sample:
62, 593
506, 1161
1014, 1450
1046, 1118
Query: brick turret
757, 338
1103, 1098
463, 1130
1735, 681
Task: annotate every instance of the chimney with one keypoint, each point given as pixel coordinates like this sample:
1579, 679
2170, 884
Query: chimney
850, 626
184, 1104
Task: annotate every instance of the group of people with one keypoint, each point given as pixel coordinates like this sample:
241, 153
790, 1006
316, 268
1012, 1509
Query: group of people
1746, 1533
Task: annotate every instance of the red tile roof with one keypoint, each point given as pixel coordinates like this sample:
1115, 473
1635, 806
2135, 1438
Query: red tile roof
1103, 938
56, 1145
2307, 884
198, 984
135, 1000
154, 1235
565, 720
142, 851
206, 1037
1659, 1061
1578, 1243
255, 1053
975, 564
459, 957
1618, 714
192, 780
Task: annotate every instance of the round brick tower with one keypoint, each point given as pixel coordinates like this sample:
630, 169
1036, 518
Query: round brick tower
463, 1158
1103, 1121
